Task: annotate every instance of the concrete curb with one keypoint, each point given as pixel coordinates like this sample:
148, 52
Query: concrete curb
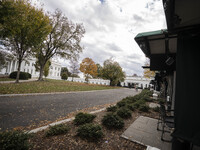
60, 122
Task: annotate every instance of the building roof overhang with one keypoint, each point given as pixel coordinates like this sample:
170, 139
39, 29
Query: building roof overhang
160, 46
182, 15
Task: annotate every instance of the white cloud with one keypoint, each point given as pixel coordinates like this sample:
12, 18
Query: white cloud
111, 26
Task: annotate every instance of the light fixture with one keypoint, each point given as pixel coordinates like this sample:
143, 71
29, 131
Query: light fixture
169, 61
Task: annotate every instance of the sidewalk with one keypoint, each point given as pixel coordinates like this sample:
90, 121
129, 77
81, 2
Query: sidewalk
143, 131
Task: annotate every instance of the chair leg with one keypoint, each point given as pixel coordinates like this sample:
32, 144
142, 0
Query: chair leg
162, 132
158, 123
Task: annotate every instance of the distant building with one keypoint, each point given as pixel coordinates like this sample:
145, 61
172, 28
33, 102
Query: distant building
28, 66
140, 82
91, 81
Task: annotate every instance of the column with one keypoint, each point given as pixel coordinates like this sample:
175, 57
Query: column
10, 69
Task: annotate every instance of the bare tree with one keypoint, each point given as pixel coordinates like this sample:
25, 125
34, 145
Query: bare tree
74, 68
63, 40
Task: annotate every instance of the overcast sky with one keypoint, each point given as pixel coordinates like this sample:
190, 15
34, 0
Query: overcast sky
111, 26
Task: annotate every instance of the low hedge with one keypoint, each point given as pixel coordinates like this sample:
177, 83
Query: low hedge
121, 103
90, 132
57, 129
10, 140
144, 108
22, 75
82, 118
124, 113
112, 121
131, 107
111, 108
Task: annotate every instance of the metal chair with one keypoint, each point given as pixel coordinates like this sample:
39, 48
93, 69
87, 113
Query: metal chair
167, 121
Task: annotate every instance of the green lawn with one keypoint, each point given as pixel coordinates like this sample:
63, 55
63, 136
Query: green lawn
48, 86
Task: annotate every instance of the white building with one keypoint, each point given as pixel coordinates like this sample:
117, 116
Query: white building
139, 81
91, 81
28, 66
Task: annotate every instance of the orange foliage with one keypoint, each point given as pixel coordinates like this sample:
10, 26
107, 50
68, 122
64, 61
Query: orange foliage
88, 67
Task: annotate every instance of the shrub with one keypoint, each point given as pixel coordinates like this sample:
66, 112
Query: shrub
112, 121
29, 75
161, 101
57, 129
131, 107
121, 103
64, 76
156, 109
130, 99
14, 140
138, 103
137, 97
22, 75
82, 118
144, 108
90, 132
147, 98
112, 108
124, 113
147, 92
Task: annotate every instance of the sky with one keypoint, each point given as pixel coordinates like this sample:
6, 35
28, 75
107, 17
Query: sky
111, 26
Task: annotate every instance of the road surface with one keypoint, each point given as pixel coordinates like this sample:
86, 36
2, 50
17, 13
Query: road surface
16, 111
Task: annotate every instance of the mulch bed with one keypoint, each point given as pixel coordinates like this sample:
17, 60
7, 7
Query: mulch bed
110, 141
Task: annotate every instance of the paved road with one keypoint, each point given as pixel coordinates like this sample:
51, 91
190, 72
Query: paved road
18, 111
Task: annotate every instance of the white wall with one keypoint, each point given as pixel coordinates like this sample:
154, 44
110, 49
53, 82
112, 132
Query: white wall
140, 81
91, 81
28, 66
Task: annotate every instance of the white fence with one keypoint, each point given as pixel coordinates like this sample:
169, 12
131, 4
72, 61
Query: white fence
91, 81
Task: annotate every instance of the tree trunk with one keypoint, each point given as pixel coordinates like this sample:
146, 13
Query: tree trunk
41, 73
18, 71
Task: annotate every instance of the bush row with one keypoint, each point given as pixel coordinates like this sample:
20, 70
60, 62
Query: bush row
124, 107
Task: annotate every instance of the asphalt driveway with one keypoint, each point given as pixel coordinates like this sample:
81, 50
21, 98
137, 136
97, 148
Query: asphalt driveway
23, 111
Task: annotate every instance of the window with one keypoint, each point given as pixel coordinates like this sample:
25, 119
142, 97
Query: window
58, 69
28, 70
55, 68
57, 74
24, 70
31, 71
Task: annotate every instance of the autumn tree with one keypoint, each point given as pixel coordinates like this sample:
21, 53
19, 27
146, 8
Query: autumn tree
63, 40
147, 72
74, 68
89, 68
112, 71
22, 27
